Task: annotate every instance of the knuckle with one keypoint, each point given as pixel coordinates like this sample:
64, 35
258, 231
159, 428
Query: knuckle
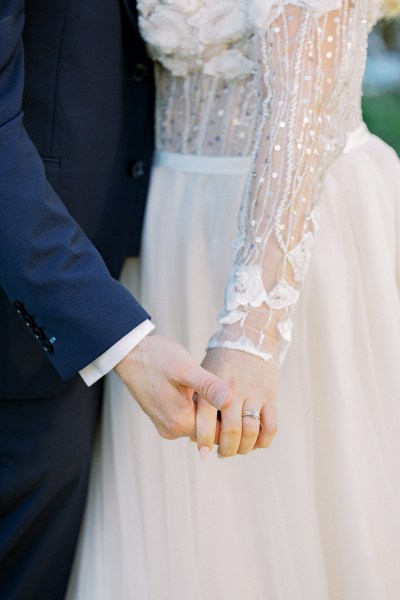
233, 430
166, 434
180, 425
174, 426
179, 371
213, 393
207, 386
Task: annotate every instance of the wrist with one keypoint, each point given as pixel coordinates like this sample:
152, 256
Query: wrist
129, 361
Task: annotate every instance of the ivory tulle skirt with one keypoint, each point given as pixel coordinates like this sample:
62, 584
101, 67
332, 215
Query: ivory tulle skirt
315, 517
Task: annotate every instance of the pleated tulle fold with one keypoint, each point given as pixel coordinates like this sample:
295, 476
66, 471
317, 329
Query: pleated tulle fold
315, 517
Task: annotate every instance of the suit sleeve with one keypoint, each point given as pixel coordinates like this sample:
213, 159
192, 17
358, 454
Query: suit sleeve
49, 269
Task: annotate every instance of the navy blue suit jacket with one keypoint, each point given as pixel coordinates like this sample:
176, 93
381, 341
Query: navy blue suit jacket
76, 118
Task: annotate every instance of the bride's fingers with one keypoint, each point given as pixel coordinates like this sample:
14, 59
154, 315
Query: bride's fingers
206, 424
269, 425
250, 429
217, 432
231, 430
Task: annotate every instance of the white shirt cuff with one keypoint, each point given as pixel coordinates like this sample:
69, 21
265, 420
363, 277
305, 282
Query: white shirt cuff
111, 357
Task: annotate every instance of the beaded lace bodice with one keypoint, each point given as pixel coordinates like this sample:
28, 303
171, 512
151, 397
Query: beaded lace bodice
206, 99
280, 80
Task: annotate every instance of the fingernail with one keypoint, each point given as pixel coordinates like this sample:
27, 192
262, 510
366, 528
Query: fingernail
204, 452
220, 399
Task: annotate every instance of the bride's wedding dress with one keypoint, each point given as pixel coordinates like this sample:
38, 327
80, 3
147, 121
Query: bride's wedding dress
259, 102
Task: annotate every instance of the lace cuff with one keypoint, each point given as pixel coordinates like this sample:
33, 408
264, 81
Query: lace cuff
310, 77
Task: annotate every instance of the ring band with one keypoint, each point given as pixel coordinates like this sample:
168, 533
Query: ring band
252, 413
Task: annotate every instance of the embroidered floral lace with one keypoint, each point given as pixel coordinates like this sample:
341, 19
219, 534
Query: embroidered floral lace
280, 80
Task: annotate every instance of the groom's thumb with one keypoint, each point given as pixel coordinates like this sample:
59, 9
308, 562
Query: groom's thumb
211, 388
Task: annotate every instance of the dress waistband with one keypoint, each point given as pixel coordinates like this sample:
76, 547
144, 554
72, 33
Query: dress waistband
234, 165
193, 163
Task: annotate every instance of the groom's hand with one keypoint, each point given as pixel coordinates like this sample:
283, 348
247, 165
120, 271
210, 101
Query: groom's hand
162, 377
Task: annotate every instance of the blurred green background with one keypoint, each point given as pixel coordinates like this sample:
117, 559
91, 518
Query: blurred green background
381, 102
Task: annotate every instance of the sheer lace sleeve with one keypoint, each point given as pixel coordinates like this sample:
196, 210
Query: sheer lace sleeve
311, 62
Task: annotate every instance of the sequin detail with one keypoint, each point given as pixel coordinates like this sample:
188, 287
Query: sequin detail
278, 80
311, 69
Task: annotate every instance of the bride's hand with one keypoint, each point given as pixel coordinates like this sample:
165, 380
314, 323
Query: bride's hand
254, 386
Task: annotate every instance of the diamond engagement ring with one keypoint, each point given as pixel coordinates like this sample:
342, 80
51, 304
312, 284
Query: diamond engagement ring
252, 413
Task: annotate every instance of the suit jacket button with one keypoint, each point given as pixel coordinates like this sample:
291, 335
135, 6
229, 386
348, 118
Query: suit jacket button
137, 169
38, 333
19, 307
29, 322
47, 346
139, 73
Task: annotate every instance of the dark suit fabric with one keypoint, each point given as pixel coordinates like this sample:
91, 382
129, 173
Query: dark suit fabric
78, 114
76, 138
43, 488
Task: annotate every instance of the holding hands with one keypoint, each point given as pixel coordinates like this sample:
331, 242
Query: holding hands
163, 378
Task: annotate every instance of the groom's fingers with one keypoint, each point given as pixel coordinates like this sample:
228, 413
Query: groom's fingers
208, 386
206, 424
